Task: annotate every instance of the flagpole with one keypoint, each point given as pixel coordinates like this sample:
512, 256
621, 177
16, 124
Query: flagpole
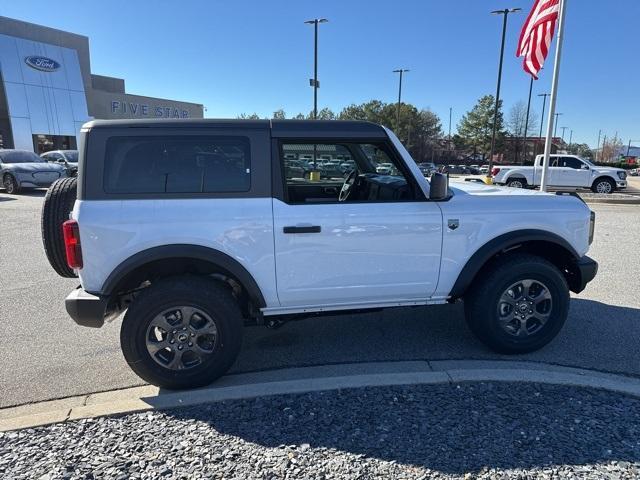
554, 96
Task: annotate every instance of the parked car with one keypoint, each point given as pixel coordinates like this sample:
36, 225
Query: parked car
564, 171
67, 158
484, 169
331, 169
234, 244
427, 169
633, 172
347, 166
385, 169
22, 169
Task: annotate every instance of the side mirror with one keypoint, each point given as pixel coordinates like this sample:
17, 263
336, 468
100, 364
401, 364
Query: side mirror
584, 166
439, 187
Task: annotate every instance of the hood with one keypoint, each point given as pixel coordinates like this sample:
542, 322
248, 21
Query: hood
476, 188
607, 169
34, 167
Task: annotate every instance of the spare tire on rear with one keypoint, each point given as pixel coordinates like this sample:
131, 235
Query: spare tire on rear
58, 204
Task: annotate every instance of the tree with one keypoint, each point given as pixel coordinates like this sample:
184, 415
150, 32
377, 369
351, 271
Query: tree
475, 128
419, 129
580, 149
253, 116
279, 115
518, 120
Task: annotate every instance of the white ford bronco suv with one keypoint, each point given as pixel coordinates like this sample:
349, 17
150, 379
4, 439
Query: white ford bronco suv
196, 228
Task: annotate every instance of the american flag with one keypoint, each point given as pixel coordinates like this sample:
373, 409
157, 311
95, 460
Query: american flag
536, 35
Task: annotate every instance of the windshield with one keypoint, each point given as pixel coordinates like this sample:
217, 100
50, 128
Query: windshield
20, 156
71, 156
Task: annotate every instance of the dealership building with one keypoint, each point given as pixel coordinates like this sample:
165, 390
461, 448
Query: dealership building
47, 90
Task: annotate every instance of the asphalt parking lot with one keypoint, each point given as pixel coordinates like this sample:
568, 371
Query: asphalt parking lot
45, 355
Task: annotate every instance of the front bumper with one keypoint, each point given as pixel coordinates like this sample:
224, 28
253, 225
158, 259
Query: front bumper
86, 309
585, 270
621, 184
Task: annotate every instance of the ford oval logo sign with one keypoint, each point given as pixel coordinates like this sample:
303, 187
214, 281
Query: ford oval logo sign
43, 64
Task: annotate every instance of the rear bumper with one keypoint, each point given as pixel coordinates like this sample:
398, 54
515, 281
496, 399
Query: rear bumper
585, 270
86, 309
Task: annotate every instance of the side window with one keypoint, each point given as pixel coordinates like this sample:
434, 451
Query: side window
177, 164
319, 173
571, 162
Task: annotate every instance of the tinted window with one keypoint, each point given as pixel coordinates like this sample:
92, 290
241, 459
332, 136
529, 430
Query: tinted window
177, 164
19, 156
571, 163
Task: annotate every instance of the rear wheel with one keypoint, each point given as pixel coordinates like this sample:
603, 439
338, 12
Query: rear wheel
603, 185
519, 305
517, 183
182, 332
10, 184
58, 204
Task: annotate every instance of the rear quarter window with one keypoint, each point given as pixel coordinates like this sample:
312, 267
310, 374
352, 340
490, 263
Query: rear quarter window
177, 164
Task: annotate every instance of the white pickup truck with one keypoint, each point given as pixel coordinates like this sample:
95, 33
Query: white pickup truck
564, 171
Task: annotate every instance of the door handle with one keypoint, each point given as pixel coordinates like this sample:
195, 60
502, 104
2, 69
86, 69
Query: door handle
302, 229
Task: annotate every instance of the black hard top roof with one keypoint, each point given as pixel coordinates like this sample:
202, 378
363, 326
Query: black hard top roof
279, 128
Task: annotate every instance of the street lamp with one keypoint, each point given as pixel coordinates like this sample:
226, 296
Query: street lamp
526, 124
505, 13
571, 137
314, 82
555, 130
544, 103
400, 71
629, 146
564, 129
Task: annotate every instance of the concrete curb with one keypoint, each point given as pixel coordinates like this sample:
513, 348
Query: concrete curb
614, 201
309, 379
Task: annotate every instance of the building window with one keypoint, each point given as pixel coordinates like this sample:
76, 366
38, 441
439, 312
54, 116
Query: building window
177, 164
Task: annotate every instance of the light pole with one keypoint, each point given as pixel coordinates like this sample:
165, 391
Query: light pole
564, 129
400, 71
314, 81
450, 115
571, 138
544, 103
505, 13
629, 146
598, 147
555, 130
526, 124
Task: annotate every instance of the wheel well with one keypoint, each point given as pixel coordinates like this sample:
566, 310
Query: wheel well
132, 276
516, 176
556, 253
604, 177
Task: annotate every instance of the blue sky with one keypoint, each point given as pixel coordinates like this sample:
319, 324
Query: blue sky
256, 56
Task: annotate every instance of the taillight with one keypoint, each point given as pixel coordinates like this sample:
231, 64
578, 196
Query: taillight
495, 171
72, 247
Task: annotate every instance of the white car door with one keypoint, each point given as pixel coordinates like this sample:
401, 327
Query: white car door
359, 251
575, 173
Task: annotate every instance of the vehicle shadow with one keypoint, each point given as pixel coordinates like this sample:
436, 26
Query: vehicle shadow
6, 199
448, 428
38, 192
595, 336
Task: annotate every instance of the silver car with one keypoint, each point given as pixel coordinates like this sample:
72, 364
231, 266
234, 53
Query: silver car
24, 169
67, 158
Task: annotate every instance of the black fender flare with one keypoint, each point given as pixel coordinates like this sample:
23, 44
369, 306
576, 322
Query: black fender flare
226, 263
499, 244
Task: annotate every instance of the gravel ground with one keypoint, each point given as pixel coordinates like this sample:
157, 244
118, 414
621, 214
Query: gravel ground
485, 430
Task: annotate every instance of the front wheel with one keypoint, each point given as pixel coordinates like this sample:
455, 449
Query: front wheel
603, 185
182, 332
10, 184
518, 305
